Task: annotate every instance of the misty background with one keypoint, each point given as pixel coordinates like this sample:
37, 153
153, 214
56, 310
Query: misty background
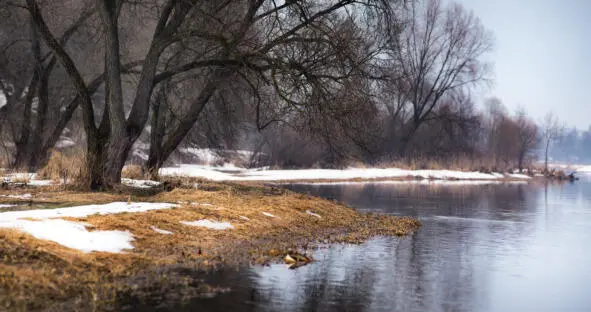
542, 64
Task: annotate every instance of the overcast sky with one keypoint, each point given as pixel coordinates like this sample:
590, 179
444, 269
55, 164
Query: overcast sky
542, 55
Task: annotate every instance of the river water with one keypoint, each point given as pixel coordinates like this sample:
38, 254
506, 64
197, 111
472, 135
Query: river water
498, 247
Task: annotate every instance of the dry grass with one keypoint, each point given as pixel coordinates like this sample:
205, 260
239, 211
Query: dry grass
64, 167
134, 172
481, 164
40, 274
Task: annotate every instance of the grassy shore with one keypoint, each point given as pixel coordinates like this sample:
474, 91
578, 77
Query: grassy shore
36, 274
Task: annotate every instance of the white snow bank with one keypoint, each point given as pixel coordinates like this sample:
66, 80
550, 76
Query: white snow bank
140, 183
519, 176
40, 183
19, 196
209, 224
160, 231
585, 169
218, 174
6, 205
29, 178
74, 234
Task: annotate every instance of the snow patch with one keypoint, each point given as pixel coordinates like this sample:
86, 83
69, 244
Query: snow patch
75, 234
269, 215
29, 178
214, 225
313, 214
20, 196
140, 183
157, 230
244, 218
6, 205
65, 142
41, 183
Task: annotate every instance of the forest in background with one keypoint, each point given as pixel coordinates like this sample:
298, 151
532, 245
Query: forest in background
300, 83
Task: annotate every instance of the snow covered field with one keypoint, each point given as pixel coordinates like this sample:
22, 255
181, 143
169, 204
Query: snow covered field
236, 174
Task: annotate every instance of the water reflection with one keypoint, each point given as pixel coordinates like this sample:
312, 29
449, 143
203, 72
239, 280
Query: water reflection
514, 247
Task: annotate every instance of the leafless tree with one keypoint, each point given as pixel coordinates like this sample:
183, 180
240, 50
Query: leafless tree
441, 50
295, 46
551, 129
41, 100
527, 137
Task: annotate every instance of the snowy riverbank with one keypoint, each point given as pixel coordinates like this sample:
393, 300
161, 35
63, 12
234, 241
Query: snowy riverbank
229, 173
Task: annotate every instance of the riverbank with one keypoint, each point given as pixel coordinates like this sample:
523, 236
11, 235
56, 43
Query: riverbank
231, 173
170, 236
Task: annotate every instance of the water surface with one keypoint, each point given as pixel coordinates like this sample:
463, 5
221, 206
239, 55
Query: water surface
509, 247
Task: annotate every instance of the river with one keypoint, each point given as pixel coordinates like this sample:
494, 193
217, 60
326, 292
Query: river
496, 247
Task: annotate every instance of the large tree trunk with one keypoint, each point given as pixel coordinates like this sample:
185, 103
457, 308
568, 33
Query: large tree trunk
158, 122
23, 153
36, 141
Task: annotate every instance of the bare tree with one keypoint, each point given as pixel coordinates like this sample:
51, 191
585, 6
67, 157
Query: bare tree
440, 51
527, 137
295, 46
39, 106
551, 130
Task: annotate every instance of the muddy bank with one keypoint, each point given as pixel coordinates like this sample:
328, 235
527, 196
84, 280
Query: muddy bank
261, 225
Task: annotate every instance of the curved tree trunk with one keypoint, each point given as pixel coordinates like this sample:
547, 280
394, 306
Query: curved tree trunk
161, 149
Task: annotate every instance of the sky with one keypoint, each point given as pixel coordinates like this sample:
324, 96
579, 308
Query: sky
542, 56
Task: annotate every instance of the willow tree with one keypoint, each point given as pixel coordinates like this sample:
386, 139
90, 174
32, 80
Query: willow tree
216, 40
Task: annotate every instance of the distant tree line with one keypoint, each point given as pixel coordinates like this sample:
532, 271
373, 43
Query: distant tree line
304, 82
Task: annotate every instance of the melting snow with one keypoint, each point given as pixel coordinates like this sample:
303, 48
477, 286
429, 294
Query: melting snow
209, 224
140, 183
313, 214
40, 183
268, 215
74, 234
6, 206
29, 178
157, 230
20, 196
244, 218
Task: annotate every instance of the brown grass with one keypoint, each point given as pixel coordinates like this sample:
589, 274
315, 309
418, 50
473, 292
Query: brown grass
64, 167
460, 163
134, 172
41, 274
